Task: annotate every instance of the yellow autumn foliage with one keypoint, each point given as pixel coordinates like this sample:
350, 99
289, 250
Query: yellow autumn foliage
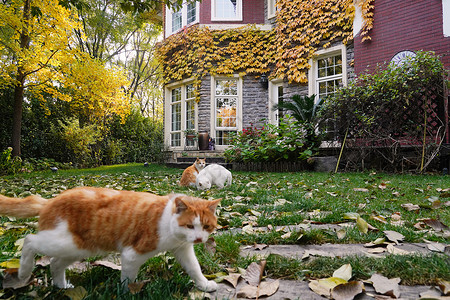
302, 27
51, 62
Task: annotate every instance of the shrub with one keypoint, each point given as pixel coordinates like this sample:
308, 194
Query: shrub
9, 164
270, 143
393, 108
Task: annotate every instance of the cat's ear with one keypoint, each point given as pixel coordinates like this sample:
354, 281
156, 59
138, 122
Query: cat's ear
180, 205
213, 204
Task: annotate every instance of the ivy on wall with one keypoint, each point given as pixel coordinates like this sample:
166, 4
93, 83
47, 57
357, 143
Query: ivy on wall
283, 52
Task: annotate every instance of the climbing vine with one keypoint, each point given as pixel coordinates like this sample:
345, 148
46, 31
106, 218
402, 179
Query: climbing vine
283, 52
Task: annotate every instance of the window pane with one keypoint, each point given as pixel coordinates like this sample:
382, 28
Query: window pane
176, 117
176, 20
191, 13
190, 91
190, 114
226, 112
226, 9
175, 139
176, 95
226, 87
223, 137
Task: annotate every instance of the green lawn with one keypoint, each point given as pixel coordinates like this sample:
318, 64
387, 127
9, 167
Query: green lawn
254, 200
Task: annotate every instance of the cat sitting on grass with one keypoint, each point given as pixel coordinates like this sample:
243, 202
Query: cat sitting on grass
189, 176
87, 221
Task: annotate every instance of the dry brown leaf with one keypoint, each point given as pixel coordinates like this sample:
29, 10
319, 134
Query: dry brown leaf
394, 236
376, 250
344, 272
341, 233
12, 281
444, 285
324, 286
385, 286
361, 190
254, 273
436, 247
263, 290
435, 224
410, 206
431, 293
43, 261
394, 250
107, 264
379, 219
347, 291
232, 278
260, 246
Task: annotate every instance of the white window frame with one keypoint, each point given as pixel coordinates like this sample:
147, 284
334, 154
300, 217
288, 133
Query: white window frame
445, 17
238, 16
213, 126
273, 100
168, 113
321, 54
313, 76
169, 12
271, 8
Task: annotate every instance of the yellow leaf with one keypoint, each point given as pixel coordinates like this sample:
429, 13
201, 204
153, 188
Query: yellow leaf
11, 264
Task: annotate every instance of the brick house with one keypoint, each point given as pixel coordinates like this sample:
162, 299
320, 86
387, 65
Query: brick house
217, 102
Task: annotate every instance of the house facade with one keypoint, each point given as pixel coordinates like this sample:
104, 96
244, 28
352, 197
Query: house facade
228, 62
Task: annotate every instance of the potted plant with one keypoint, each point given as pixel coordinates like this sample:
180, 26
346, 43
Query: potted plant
190, 134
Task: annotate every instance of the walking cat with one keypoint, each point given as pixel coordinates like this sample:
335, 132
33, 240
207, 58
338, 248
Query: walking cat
87, 221
213, 174
189, 175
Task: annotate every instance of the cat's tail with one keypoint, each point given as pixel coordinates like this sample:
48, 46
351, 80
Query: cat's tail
22, 207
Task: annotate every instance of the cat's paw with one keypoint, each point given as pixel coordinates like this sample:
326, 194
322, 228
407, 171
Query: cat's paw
207, 286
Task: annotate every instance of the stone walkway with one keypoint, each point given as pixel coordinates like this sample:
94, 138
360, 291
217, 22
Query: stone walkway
292, 289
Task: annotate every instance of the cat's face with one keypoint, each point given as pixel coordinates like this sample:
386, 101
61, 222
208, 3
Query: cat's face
203, 183
200, 163
195, 218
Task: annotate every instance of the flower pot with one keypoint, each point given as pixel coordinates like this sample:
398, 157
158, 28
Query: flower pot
203, 140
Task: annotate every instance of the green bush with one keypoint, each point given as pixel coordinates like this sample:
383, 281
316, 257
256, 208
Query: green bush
393, 108
270, 143
8, 164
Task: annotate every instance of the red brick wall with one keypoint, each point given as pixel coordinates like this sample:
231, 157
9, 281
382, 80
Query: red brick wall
252, 13
403, 25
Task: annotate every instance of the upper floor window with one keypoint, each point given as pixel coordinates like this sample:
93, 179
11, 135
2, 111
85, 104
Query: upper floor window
271, 8
186, 15
226, 10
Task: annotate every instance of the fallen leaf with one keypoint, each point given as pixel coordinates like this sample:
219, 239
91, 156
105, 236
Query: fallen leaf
341, 233
248, 229
11, 264
254, 273
344, 272
376, 250
351, 216
324, 286
107, 264
394, 236
347, 291
362, 225
12, 281
410, 206
396, 251
385, 286
76, 293
379, 219
263, 290
444, 285
436, 247
431, 293
43, 261
377, 242
197, 294
233, 279
286, 235
260, 246
435, 224
361, 190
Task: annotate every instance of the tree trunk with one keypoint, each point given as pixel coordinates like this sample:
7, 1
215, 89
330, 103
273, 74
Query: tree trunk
17, 116
19, 89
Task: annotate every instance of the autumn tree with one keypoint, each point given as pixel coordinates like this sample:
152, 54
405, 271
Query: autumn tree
39, 55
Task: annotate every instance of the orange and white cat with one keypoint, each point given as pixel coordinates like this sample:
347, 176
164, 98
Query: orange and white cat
189, 176
87, 221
